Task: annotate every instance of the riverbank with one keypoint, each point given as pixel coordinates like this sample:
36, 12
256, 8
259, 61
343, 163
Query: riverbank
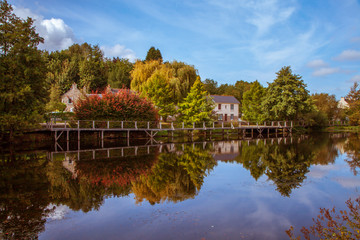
342, 129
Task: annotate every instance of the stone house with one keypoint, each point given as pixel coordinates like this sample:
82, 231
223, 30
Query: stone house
74, 94
226, 108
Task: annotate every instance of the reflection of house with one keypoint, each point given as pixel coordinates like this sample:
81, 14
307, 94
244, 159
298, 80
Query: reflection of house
74, 94
228, 150
70, 164
226, 108
343, 103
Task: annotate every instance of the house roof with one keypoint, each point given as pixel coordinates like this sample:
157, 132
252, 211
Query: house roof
224, 99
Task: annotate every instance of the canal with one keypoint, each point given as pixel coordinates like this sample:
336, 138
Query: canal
223, 189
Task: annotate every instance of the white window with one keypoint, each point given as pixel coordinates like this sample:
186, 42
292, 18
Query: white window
232, 117
232, 107
220, 117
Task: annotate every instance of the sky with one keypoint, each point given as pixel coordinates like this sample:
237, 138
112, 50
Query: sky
225, 40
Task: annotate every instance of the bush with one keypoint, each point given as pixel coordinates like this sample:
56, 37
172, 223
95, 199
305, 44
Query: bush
123, 106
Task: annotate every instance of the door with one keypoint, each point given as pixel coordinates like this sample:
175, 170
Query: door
225, 117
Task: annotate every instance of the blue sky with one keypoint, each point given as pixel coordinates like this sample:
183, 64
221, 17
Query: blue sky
226, 40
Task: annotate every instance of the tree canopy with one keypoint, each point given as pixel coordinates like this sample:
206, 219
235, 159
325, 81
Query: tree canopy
287, 97
154, 54
22, 72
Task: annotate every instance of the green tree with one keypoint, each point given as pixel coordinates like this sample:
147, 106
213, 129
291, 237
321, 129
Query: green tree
327, 104
119, 73
252, 101
154, 54
353, 99
55, 103
92, 71
197, 106
22, 72
287, 97
159, 91
211, 86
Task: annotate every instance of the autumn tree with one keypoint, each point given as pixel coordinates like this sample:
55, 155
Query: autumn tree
353, 99
22, 72
197, 106
154, 54
287, 97
252, 110
327, 104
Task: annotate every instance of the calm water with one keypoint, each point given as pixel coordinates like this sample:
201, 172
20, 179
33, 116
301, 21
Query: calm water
230, 189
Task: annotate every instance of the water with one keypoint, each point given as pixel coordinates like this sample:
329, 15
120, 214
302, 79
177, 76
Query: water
231, 189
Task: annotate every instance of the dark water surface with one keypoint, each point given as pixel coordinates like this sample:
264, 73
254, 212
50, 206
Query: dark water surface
230, 189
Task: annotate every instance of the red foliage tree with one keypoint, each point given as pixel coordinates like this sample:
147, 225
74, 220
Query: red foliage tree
124, 105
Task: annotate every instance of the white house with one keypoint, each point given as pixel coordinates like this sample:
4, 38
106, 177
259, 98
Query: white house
226, 108
343, 104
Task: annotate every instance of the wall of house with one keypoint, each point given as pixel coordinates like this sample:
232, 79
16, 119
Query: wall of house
70, 97
225, 109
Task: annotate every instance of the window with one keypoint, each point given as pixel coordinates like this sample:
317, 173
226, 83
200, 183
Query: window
232, 117
232, 107
220, 117
225, 106
219, 107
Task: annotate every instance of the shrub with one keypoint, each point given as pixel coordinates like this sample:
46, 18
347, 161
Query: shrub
124, 106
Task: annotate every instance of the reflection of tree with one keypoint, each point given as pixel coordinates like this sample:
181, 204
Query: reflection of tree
352, 148
284, 164
93, 180
23, 196
176, 176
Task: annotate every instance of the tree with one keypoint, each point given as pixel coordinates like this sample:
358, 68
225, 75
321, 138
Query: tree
159, 91
55, 103
287, 97
119, 73
154, 54
252, 101
353, 99
22, 72
197, 106
211, 86
327, 104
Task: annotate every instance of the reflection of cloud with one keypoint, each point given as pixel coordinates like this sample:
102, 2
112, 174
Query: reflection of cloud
320, 171
59, 211
350, 182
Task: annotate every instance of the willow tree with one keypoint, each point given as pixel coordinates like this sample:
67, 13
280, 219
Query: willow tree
22, 72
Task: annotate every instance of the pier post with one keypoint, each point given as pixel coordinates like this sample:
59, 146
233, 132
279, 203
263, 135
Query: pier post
107, 124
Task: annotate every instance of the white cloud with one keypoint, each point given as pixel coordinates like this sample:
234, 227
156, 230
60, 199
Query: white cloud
348, 55
318, 63
119, 51
57, 35
325, 71
355, 78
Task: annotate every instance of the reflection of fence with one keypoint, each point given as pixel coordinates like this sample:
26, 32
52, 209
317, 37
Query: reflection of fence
219, 147
152, 128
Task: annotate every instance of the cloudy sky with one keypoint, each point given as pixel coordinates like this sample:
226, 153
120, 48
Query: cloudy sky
226, 40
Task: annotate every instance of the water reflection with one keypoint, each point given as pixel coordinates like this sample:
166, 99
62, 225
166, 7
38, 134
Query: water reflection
34, 185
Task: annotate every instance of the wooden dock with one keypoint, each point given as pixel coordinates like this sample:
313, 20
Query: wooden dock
151, 129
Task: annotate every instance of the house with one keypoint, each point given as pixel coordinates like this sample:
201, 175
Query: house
74, 94
71, 96
226, 108
343, 104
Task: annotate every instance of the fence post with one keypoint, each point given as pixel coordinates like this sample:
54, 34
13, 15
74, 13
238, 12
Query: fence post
135, 124
122, 124
291, 123
107, 124
213, 124
65, 123
78, 124
148, 125
204, 125
160, 124
222, 124
183, 125
93, 124
172, 125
